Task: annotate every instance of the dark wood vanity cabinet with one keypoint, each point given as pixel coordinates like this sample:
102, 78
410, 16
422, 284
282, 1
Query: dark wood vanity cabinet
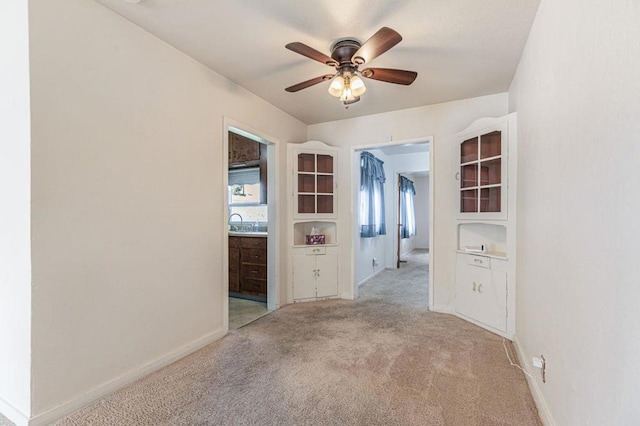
248, 266
234, 264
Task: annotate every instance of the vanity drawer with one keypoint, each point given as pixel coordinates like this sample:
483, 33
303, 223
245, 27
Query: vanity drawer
253, 271
254, 255
254, 286
480, 261
253, 242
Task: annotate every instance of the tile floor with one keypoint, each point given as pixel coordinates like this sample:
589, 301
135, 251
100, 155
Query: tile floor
243, 312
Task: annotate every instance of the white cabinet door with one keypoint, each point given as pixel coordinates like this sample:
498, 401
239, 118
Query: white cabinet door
327, 275
481, 294
492, 299
304, 280
466, 286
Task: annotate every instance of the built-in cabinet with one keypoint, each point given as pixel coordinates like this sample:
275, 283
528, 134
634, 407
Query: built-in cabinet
248, 266
315, 273
243, 151
486, 224
481, 289
314, 250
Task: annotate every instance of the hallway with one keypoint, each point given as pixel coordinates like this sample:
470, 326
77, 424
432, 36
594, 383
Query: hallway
408, 285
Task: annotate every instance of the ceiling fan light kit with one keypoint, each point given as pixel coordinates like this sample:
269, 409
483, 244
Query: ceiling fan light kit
347, 54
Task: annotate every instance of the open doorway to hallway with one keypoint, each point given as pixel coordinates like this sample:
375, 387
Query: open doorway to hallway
403, 233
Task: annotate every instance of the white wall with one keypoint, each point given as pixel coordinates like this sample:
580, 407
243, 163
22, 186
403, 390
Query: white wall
128, 221
15, 248
421, 183
440, 121
578, 102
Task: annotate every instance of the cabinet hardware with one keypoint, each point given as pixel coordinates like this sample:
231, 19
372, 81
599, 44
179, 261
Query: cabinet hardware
474, 286
457, 176
480, 288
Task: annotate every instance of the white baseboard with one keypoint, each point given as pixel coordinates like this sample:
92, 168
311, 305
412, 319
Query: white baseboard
13, 414
443, 309
541, 403
121, 381
372, 276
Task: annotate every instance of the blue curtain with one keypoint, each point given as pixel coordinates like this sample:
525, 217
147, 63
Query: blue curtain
372, 181
407, 209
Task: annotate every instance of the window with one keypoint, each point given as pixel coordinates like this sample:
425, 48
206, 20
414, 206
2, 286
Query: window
407, 209
372, 179
244, 186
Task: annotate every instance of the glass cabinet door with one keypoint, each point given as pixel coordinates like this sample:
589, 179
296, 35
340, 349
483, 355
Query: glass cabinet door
482, 174
315, 182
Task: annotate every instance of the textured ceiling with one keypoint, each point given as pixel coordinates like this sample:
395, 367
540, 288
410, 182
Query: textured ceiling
460, 48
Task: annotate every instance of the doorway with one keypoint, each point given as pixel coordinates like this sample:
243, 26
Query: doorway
250, 256
372, 256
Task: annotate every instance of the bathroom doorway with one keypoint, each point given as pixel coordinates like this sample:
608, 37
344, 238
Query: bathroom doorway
250, 242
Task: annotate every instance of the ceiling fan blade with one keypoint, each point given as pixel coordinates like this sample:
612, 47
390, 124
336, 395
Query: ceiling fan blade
310, 52
390, 75
309, 83
379, 43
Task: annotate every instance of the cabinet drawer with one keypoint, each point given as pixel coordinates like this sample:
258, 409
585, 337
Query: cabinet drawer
253, 242
316, 250
480, 261
234, 242
254, 255
253, 271
254, 286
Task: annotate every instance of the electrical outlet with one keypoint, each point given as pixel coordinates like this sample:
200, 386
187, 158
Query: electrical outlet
541, 363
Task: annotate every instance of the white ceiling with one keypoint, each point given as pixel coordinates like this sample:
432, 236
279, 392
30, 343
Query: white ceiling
460, 48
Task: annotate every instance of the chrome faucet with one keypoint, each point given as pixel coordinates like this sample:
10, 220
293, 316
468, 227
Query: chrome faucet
235, 214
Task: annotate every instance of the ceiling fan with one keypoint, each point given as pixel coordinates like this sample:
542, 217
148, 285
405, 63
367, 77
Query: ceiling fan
347, 55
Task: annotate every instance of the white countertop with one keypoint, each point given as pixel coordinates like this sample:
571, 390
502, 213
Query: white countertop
259, 234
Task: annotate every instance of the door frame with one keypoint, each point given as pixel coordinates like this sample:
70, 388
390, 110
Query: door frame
273, 242
355, 212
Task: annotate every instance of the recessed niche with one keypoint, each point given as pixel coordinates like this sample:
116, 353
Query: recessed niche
473, 235
302, 229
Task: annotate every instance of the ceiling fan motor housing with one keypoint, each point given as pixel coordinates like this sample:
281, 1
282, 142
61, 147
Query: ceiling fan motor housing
342, 50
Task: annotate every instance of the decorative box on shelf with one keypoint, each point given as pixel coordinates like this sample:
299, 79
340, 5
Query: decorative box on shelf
315, 239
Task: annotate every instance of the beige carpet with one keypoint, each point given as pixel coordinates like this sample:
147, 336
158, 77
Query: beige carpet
381, 360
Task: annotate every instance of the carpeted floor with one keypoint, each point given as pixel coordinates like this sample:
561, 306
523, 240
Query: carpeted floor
381, 360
